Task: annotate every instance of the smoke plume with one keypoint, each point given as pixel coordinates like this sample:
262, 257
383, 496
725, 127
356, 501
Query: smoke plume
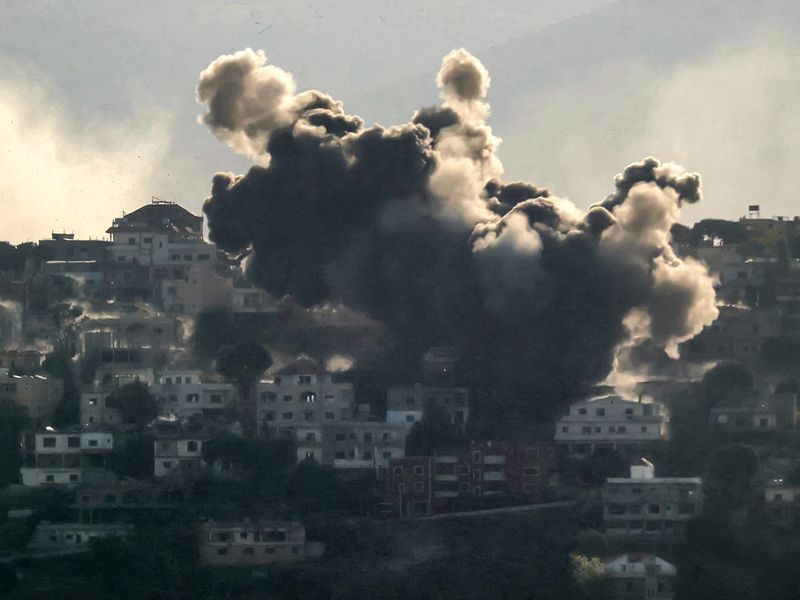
414, 225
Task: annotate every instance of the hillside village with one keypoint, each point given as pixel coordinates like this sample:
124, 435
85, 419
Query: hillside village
161, 410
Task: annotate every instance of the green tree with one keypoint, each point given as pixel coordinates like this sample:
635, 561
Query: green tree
435, 434
727, 383
244, 362
730, 476
214, 329
13, 422
67, 412
137, 404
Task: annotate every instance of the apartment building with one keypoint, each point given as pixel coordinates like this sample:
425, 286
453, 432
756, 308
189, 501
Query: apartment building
353, 444
421, 486
302, 394
756, 417
27, 361
178, 446
66, 458
612, 422
184, 393
650, 507
253, 543
782, 503
407, 405
99, 408
37, 394
74, 537
640, 577
125, 501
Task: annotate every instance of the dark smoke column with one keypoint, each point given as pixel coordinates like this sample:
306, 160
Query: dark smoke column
414, 225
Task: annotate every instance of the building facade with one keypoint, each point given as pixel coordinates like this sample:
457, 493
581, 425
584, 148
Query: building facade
66, 458
249, 543
640, 577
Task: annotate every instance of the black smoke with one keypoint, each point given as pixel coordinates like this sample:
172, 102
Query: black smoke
414, 226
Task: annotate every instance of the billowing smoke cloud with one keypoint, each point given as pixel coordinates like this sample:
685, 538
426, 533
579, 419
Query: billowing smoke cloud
414, 226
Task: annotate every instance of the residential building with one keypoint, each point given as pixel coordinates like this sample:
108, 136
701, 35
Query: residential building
201, 287
754, 417
439, 364
612, 422
253, 543
37, 394
252, 300
782, 502
74, 537
66, 458
352, 444
645, 506
183, 393
125, 501
640, 577
407, 405
737, 334
426, 485
302, 394
178, 446
88, 275
25, 361
99, 408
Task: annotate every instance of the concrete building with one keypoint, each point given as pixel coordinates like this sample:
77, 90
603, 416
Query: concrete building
302, 394
406, 405
26, 361
74, 537
184, 394
66, 458
352, 444
250, 543
640, 577
178, 447
97, 408
649, 507
426, 485
252, 300
755, 417
125, 501
37, 394
614, 423
737, 334
201, 287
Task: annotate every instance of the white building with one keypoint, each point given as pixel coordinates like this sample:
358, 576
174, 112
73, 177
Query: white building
611, 422
640, 577
65, 458
356, 444
183, 393
74, 537
646, 506
178, 447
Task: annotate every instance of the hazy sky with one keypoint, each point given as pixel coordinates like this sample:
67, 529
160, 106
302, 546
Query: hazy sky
97, 109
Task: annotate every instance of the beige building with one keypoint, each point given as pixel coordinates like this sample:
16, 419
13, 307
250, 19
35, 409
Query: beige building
249, 543
202, 287
37, 394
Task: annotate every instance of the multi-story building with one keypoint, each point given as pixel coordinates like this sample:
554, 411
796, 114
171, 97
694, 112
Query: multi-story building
645, 506
98, 408
758, 416
66, 458
74, 537
37, 394
425, 485
183, 393
737, 334
178, 447
614, 423
250, 543
301, 395
200, 288
407, 405
640, 577
126, 501
352, 444
26, 361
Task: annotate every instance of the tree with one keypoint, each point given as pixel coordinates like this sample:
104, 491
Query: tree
67, 411
137, 404
244, 362
214, 329
727, 383
13, 421
730, 475
435, 434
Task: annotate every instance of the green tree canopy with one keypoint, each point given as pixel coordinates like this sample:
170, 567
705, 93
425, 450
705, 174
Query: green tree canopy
137, 404
435, 434
213, 330
244, 362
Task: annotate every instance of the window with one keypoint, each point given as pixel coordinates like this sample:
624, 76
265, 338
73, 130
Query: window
309, 397
187, 257
49, 442
269, 415
287, 416
386, 436
386, 454
92, 401
419, 470
409, 418
419, 487
73, 477
565, 430
311, 437
476, 457
92, 443
191, 446
644, 428
586, 430
622, 429
367, 437
398, 470
132, 241
654, 509
304, 379
310, 455
49, 478
600, 412
330, 416
74, 441
628, 411
167, 464
179, 380
216, 399
191, 398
